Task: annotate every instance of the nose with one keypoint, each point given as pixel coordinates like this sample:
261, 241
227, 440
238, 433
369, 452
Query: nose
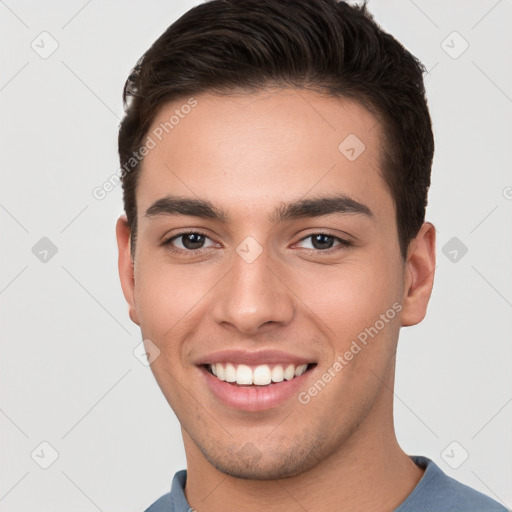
253, 297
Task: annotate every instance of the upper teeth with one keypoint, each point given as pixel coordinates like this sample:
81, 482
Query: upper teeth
260, 375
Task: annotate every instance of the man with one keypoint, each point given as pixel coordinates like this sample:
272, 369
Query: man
276, 159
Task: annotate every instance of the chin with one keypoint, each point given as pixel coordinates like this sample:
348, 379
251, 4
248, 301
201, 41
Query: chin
259, 471
249, 463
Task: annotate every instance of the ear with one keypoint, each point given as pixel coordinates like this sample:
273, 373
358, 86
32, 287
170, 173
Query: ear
125, 265
419, 275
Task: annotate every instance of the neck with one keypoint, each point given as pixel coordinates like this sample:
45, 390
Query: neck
368, 472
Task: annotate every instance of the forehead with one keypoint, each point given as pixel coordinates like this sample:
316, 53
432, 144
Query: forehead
244, 150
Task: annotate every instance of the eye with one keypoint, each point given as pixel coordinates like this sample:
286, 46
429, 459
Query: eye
190, 241
324, 242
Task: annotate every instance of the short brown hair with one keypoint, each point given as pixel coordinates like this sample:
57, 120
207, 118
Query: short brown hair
324, 45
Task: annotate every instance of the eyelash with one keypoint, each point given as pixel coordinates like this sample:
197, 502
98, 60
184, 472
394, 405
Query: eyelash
168, 243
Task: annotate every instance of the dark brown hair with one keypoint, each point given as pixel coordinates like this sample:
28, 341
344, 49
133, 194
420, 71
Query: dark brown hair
324, 45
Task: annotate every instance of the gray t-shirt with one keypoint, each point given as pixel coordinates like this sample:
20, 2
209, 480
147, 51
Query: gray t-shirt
435, 492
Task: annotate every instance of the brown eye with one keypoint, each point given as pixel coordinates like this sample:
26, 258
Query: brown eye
323, 242
193, 240
189, 241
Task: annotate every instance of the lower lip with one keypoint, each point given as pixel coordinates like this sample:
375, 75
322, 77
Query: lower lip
254, 398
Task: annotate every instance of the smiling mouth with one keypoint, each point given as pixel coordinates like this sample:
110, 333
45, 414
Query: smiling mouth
260, 375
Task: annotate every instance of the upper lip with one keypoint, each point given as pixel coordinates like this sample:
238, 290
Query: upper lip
253, 357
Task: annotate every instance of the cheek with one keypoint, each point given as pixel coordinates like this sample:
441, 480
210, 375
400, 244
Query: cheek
349, 297
167, 298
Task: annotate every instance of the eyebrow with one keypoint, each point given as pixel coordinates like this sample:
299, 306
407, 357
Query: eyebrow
302, 208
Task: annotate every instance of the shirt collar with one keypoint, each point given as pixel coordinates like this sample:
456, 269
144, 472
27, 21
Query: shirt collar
178, 501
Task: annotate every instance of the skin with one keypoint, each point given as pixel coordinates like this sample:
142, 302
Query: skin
248, 153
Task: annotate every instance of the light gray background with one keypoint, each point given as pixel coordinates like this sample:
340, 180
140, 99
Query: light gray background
68, 374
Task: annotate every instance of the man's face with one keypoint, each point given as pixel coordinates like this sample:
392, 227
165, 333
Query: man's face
265, 285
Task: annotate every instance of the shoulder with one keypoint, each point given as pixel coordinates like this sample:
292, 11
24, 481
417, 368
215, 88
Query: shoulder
437, 491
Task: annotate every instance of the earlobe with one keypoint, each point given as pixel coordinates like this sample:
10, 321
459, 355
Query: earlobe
125, 266
419, 275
